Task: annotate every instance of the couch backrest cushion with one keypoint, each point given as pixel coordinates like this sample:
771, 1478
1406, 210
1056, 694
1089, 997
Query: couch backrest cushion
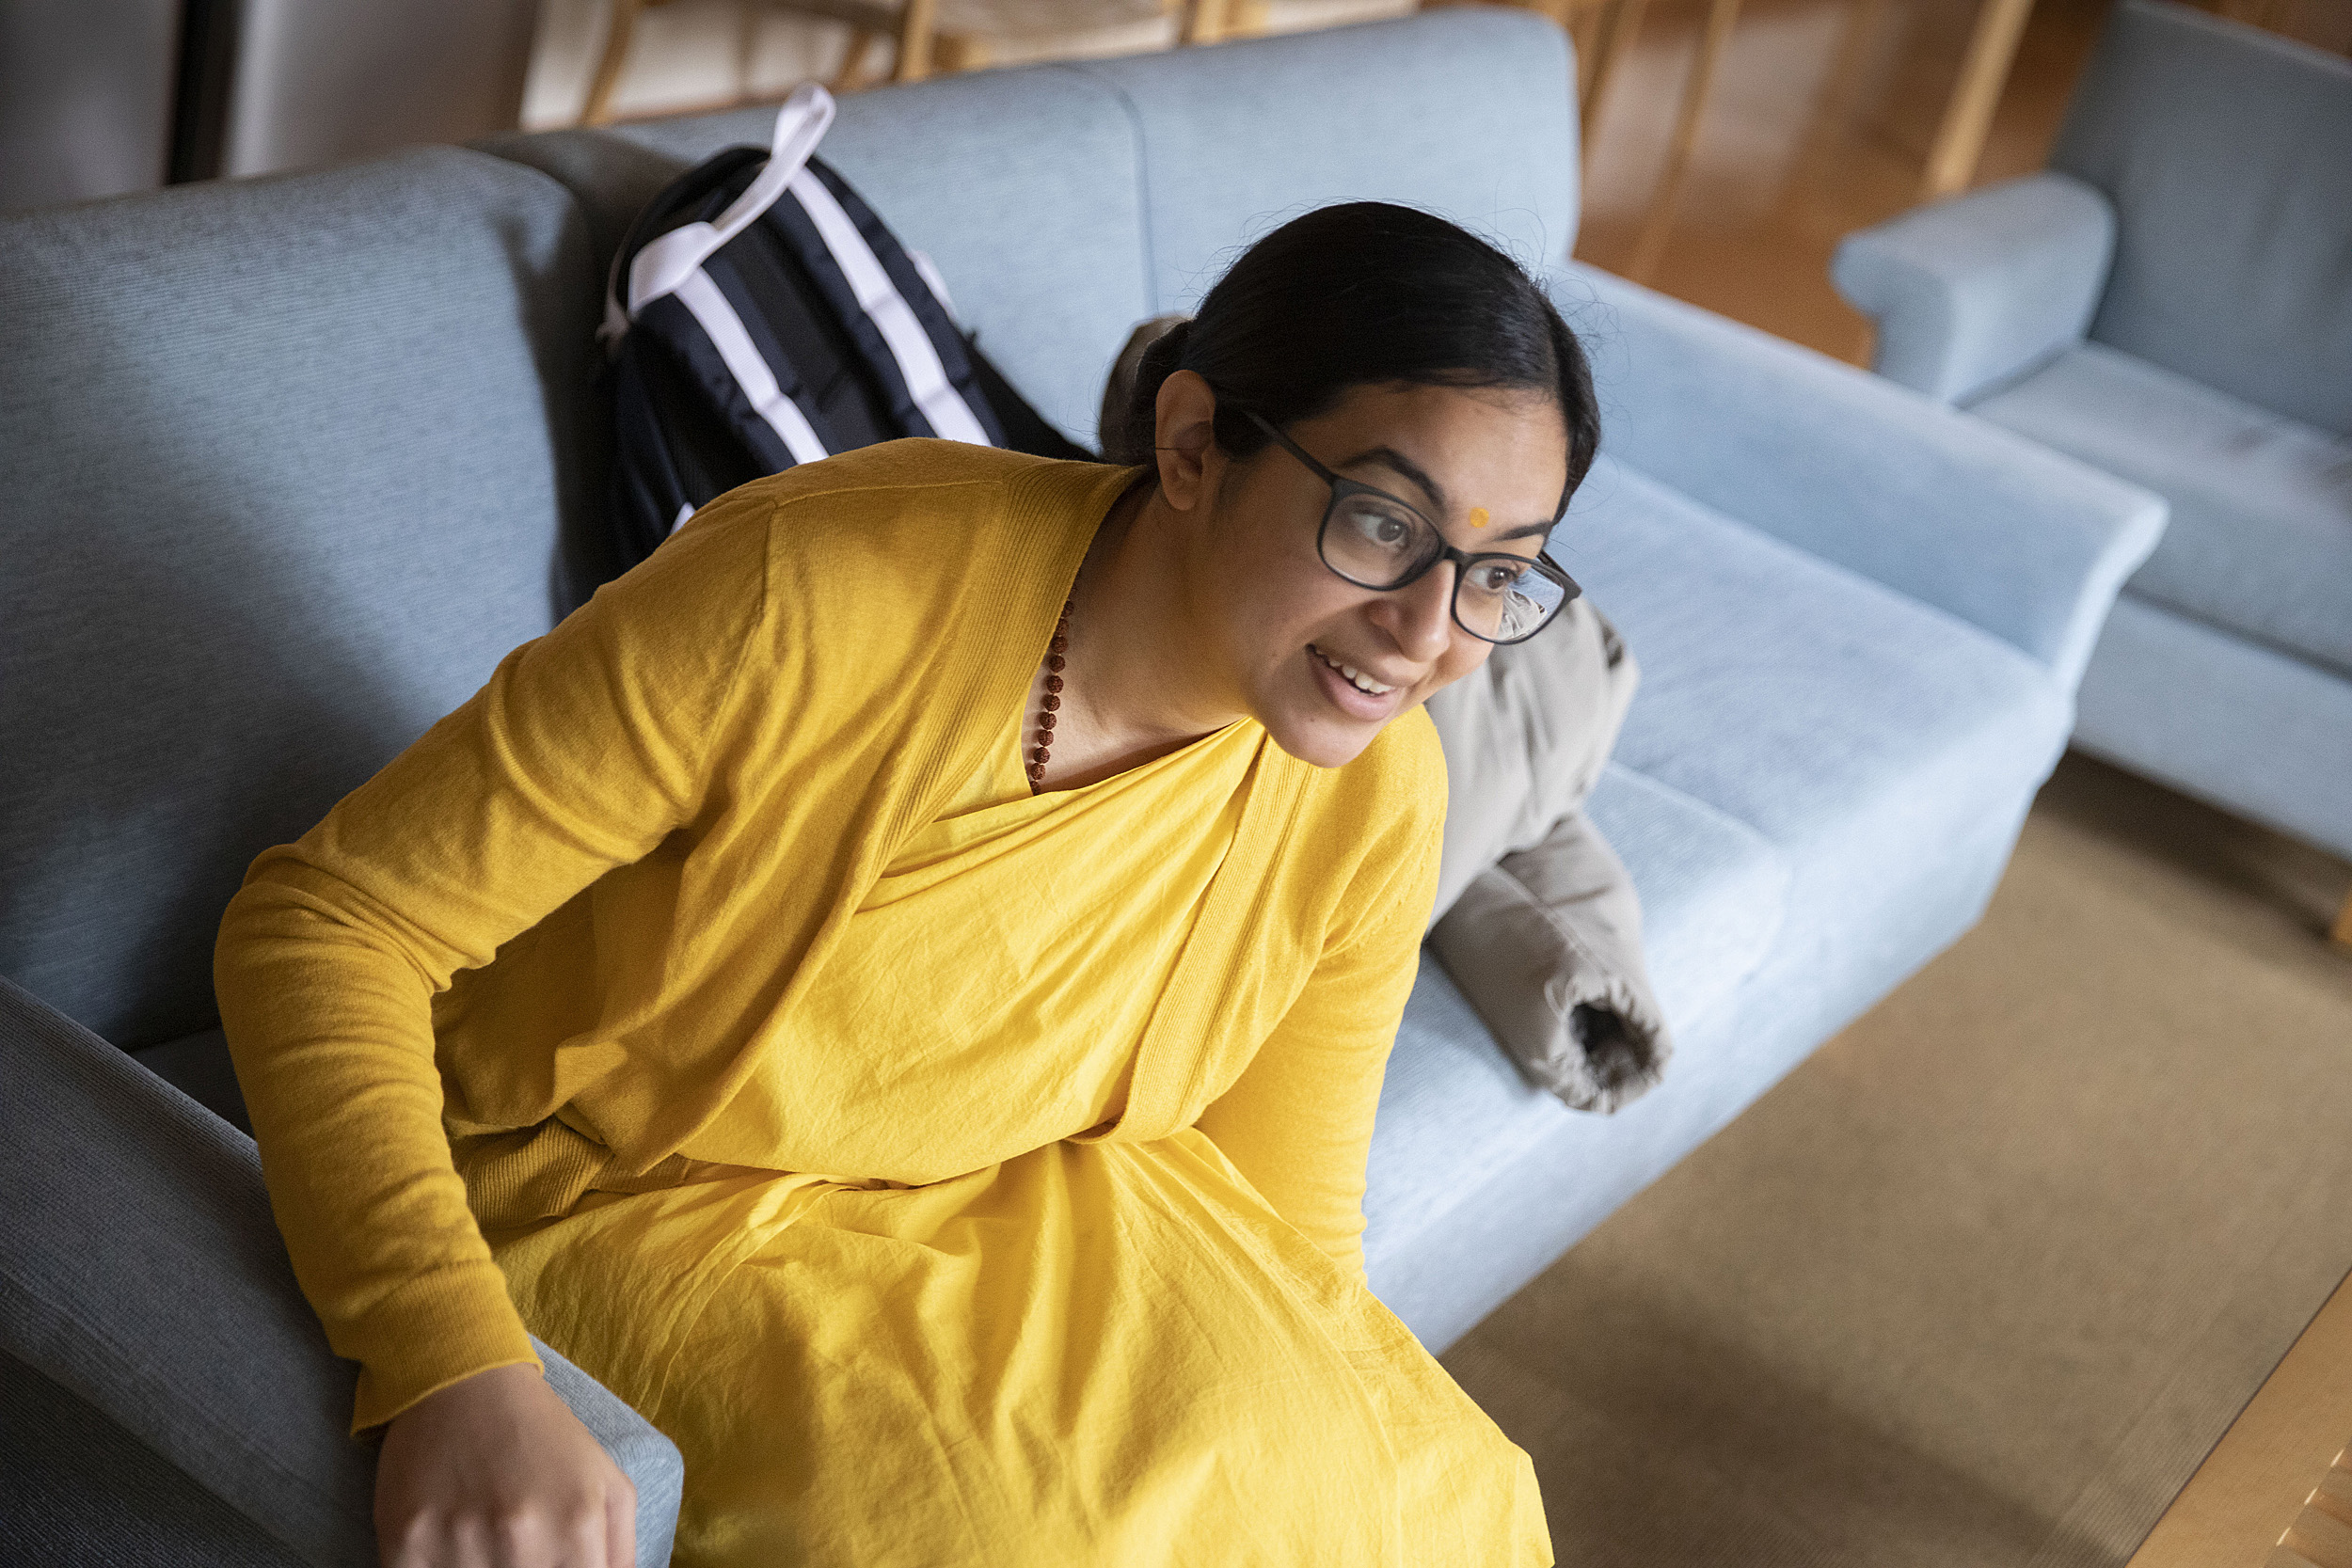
1020, 184
285, 467
2228, 155
1468, 112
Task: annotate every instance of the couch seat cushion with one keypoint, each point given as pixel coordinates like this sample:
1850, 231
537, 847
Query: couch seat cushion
2260, 538
1454, 1111
1824, 767
1860, 732
1805, 747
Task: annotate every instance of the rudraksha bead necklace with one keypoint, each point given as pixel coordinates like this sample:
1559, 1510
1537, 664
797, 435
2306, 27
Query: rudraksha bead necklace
1050, 707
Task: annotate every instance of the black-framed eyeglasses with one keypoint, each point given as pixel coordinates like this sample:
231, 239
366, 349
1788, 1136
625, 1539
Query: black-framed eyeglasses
1371, 539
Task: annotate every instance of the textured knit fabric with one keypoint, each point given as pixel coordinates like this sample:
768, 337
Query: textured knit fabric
2222, 147
69, 1469
2260, 543
643, 902
2255, 731
1972, 291
200, 1349
322, 448
1994, 530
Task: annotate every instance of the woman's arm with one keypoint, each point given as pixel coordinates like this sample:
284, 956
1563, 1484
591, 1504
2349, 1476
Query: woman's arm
585, 749
1298, 1121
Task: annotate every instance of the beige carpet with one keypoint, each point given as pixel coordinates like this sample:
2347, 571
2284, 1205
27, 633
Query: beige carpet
1981, 1281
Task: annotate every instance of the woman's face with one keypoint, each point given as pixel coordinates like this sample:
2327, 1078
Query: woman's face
1485, 467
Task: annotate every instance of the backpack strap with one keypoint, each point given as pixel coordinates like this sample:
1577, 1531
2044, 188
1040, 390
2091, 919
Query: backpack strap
666, 261
892, 318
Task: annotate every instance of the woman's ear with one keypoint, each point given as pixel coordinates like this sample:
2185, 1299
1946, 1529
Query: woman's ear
1183, 437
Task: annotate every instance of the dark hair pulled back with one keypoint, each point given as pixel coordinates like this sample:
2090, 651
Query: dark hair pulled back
1366, 293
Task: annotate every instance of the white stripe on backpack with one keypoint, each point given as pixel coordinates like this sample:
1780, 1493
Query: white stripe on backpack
910, 345
725, 329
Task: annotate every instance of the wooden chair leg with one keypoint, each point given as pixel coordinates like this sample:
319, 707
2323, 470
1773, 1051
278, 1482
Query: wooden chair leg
746, 47
616, 35
918, 27
954, 52
851, 75
1722, 15
1860, 30
2341, 935
1619, 26
1584, 26
1245, 19
1203, 22
1968, 115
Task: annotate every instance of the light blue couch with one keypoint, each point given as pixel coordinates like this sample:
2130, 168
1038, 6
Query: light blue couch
2171, 301
290, 463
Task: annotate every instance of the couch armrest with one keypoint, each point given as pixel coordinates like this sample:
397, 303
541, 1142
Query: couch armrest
1970, 291
141, 1268
2004, 535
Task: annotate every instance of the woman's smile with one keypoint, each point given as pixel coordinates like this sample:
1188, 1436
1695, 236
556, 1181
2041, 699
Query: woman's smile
1353, 691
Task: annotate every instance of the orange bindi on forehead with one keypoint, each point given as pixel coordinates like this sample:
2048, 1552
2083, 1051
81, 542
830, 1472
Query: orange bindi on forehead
1478, 517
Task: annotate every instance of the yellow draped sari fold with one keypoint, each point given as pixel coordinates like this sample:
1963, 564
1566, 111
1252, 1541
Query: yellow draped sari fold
957, 1177
1007, 1323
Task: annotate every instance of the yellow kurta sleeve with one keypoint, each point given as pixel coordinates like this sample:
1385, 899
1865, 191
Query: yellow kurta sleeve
583, 753
1297, 1123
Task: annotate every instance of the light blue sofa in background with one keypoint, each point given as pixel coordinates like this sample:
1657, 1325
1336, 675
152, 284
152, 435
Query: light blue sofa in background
2173, 302
289, 464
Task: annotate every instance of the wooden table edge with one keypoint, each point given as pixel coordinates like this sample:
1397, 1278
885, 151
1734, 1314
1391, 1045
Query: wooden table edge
2256, 1480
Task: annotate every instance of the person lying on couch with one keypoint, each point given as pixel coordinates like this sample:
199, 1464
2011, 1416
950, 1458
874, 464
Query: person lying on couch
896, 986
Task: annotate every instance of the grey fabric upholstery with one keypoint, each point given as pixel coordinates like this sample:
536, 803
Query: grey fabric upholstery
1795, 445
1461, 112
185, 1328
294, 462
65, 1471
198, 1067
1973, 291
2256, 731
2227, 154
2261, 538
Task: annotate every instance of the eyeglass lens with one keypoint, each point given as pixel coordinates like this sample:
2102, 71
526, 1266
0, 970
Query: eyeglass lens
1376, 543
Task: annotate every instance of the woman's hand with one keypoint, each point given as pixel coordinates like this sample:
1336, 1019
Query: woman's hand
495, 1472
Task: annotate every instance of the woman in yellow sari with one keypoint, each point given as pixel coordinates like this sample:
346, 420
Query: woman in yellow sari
898, 985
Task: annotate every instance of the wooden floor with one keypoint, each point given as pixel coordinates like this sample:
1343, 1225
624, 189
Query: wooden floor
1817, 125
